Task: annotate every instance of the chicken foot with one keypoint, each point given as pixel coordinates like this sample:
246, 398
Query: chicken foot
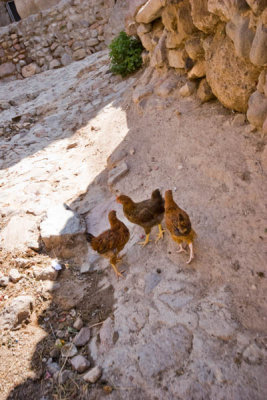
160, 234
190, 245
117, 272
146, 240
181, 249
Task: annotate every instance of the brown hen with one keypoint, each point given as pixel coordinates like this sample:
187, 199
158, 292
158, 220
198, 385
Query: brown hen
179, 224
112, 241
147, 213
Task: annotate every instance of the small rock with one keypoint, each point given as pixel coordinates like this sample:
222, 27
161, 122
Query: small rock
73, 313
63, 231
43, 274
16, 311
66, 59
54, 64
132, 152
198, 70
4, 281
72, 145
69, 350
85, 267
253, 355
257, 109
115, 157
117, 172
82, 337
177, 58
204, 92
29, 70
79, 54
79, 363
187, 89
142, 91
7, 69
78, 324
53, 367
63, 376
93, 375
239, 120
14, 275
258, 52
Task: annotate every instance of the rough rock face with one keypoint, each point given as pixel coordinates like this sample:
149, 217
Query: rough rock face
222, 41
230, 77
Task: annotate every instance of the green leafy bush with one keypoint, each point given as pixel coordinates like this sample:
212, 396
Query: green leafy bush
125, 54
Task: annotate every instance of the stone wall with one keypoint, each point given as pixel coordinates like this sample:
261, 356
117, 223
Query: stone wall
53, 38
220, 44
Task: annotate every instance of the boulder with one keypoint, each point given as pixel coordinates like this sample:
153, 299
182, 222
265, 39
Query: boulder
257, 6
225, 9
62, 232
7, 69
204, 92
261, 82
231, 78
16, 311
150, 11
159, 54
178, 22
258, 52
257, 109
238, 30
202, 18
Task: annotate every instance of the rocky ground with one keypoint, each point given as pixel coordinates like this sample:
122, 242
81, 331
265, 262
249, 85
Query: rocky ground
70, 140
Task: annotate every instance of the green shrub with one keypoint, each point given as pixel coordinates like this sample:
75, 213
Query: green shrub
125, 54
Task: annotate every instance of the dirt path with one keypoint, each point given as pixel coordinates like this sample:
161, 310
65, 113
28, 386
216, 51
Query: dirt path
174, 331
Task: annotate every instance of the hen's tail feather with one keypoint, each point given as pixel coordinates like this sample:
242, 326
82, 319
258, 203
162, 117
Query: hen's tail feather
89, 237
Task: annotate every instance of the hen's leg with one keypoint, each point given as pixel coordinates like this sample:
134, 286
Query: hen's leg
160, 234
191, 253
146, 240
116, 270
181, 249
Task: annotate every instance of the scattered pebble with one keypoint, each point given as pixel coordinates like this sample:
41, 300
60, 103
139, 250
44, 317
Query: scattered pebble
82, 337
53, 367
4, 281
56, 265
93, 375
72, 145
14, 275
69, 350
78, 324
79, 363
